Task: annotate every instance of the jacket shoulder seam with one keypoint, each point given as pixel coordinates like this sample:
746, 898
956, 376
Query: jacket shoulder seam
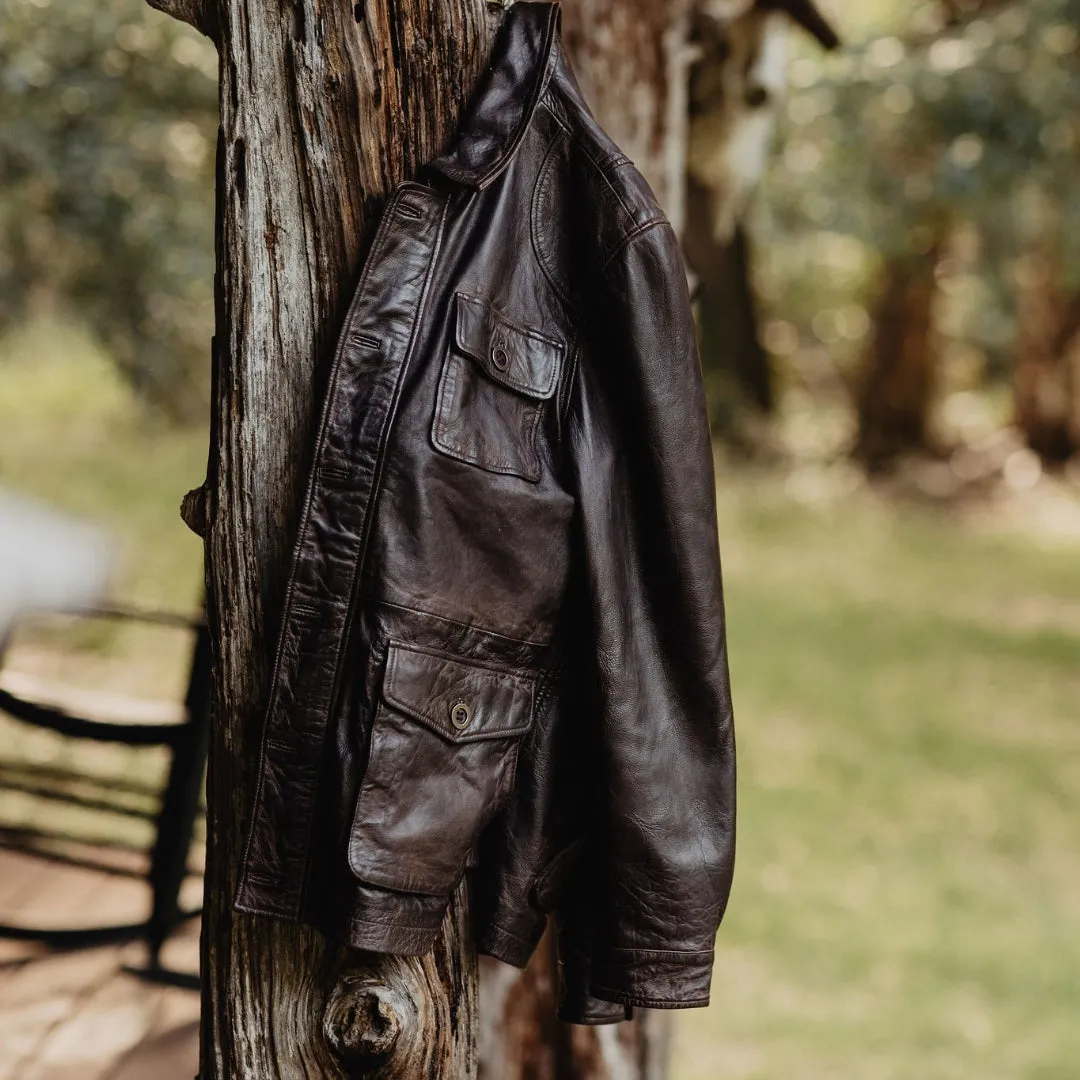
625, 241
601, 164
539, 187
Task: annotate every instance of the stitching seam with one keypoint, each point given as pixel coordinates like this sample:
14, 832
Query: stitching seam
629, 238
463, 625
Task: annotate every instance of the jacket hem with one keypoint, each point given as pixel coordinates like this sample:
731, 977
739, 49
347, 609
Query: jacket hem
513, 949
392, 938
576, 1005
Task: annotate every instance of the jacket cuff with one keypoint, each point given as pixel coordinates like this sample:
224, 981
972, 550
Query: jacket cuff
652, 978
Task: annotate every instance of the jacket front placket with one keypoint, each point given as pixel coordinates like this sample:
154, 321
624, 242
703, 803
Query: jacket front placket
372, 355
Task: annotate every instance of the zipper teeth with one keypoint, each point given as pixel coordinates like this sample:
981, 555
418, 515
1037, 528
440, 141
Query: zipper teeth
305, 516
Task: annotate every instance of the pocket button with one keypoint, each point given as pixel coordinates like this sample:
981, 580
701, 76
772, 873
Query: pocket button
499, 356
460, 715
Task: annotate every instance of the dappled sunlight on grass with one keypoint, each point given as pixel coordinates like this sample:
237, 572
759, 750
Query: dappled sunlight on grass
908, 880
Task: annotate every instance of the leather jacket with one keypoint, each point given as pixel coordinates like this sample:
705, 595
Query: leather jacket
502, 646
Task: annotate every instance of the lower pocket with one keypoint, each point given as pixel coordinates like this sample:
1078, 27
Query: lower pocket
443, 749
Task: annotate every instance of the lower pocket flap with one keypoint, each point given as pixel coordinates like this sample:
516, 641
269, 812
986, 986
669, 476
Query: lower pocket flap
462, 702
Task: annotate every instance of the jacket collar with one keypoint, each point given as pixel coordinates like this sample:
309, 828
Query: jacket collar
507, 95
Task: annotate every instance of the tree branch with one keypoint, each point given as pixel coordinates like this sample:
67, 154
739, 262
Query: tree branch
807, 14
197, 13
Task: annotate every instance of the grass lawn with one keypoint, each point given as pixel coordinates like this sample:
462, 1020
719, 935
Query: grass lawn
907, 687
907, 896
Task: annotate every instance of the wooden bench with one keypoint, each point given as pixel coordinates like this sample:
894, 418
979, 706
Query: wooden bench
172, 809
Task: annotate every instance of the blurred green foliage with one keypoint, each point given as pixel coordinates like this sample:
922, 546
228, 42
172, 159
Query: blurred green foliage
920, 131
108, 113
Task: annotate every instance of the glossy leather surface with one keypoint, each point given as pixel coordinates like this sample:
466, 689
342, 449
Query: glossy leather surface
502, 650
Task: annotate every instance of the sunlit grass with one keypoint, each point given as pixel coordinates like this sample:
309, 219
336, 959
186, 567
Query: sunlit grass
907, 899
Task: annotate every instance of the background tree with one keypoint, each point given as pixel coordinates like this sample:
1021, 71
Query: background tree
106, 167
967, 133
736, 87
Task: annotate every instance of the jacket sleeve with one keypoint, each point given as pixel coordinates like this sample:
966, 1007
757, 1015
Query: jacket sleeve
655, 701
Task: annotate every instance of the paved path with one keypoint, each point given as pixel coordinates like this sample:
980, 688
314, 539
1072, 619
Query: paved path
81, 1015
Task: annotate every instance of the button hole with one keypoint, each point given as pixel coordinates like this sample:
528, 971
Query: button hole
273, 881
409, 211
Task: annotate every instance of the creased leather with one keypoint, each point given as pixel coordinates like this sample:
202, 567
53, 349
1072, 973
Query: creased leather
443, 747
502, 649
528, 362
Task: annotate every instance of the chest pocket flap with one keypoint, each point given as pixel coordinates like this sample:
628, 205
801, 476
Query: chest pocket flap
523, 360
497, 380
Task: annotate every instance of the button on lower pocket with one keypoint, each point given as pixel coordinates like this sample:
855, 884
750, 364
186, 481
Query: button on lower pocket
460, 715
499, 356
443, 753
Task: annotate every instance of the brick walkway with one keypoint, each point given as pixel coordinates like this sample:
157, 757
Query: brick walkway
81, 1015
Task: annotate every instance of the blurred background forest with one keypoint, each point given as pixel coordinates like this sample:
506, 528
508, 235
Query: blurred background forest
891, 345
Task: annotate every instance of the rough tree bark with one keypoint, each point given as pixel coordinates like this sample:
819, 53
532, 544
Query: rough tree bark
324, 107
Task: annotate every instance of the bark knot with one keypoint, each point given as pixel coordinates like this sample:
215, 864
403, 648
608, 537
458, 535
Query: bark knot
363, 1022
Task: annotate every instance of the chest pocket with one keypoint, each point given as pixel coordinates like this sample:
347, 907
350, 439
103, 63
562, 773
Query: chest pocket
496, 379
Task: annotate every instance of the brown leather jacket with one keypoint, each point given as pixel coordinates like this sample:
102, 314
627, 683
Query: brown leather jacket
502, 644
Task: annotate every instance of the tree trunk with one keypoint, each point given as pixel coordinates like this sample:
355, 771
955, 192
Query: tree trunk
734, 89
897, 389
520, 1038
631, 58
738, 374
323, 108
736, 85
1046, 377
